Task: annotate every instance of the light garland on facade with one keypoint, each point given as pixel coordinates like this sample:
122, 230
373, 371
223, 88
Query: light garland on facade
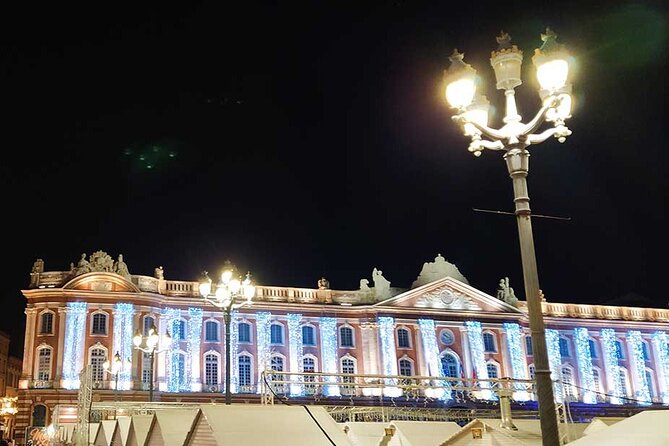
517, 359
123, 315
388, 354
263, 336
476, 348
555, 363
193, 350
328, 329
171, 316
295, 353
428, 334
611, 364
584, 360
73, 348
661, 343
234, 352
641, 392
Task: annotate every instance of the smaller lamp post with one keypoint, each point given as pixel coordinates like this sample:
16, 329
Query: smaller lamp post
7, 411
151, 343
229, 294
115, 367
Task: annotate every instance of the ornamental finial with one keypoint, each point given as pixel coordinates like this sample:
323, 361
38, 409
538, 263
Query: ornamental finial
504, 41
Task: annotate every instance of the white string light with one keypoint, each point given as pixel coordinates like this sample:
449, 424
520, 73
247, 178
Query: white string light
661, 343
388, 354
193, 350
123, 332
328, 329
429, 336
517, 358
555, 362
477, 348
75, 330
641, 391
611, 364
584, 359
295, 353
263, 337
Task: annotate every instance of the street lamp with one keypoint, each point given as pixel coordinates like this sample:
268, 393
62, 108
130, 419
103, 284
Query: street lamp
114, 368
229, 294
152, 344
7, 411
514, 137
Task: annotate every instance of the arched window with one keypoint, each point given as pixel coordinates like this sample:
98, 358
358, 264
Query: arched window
97, 356
593, 348
405, 367
211, 369
308, 338
211, 329
568, 383
493, 370
46, 323
146, 369
39, 415
244, 333
624, 381
528, 345
44, 363
149, 321
403, 338
99, 323
276, 334
276, 364
450, 366
180, 329
309, 366
348, 366
564, 348
489, 342
245, 377
620, 351
346, 337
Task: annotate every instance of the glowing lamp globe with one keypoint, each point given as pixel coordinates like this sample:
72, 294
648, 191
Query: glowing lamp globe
477, 112
506, 62
551, 62
460, 81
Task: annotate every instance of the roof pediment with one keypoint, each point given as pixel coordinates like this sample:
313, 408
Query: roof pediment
449, 294
101, 281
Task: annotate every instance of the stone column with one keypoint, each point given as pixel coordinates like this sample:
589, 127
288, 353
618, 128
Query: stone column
62, 316
29, 345
466, 354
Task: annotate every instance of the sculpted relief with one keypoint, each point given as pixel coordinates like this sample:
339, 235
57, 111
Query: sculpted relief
448, 299
100, 261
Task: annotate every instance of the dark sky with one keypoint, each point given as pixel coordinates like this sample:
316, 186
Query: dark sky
301, 139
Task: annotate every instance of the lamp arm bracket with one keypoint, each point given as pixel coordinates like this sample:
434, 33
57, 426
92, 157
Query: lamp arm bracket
536, 122
560, 132
484, 129
479, 144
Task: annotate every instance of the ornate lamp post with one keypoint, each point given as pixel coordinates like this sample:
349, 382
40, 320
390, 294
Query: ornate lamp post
229, 294
152, 344
114, 368
513, 138
7, 411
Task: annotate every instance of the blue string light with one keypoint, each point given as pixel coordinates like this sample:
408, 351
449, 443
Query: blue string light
234, 352
171, 316
193, 353
73, 348
641, 392
661, 342
584, 359
263, 336
388, 354
123, 333
518, 364
295, 353
611, 365
555, 363
328, 329
428, 334
476, 347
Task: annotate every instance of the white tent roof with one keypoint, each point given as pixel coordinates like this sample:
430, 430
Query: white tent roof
93, 431
171, 426
279, 425
647, 428
139, 429
105, 433
124, 429
422, 433
528, 433
361, 433
599, 423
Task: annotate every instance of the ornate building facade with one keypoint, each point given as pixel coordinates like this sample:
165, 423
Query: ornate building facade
441, 327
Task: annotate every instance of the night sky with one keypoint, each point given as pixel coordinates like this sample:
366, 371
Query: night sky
301, 139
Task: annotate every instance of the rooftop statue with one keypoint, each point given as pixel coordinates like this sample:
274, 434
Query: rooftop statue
121, 268
381, 285
505, 293
436, 270
323, 284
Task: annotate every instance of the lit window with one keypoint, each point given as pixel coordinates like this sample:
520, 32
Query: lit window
98, 357
597, 383
44, 364
450, 366
99, 324
489, 342
46, 326
211, 331
645, 352
244, 332
181, 370
346, 337
146, 368
620, 352
568, 383
406, 368
181, 330
148, 323
531, 370
593, 349
276, 334
564, 348
403, 338
493, 370
276, 364
528, 345
309, 366
348, 367
210, 369
244, 364
622, 379
308, 337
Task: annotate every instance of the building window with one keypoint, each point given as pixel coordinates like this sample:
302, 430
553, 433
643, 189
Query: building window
98, 357
650, 383
568, 383
624, 383
645, 352
148, 323
531, 370
44, 364
146, 368
99, 326
210, 369
348, 367
620, 352
180, 330
593, 349
276, 364
597, 384
493, 370
308, 335
489, 344
244, 332
450, 366
528, 346
446, 337
211, 331
564, 348
406, 367
39, 415
403, 340
244, 364
276, 334
309, 366
181, 370
46, 323
345, 337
